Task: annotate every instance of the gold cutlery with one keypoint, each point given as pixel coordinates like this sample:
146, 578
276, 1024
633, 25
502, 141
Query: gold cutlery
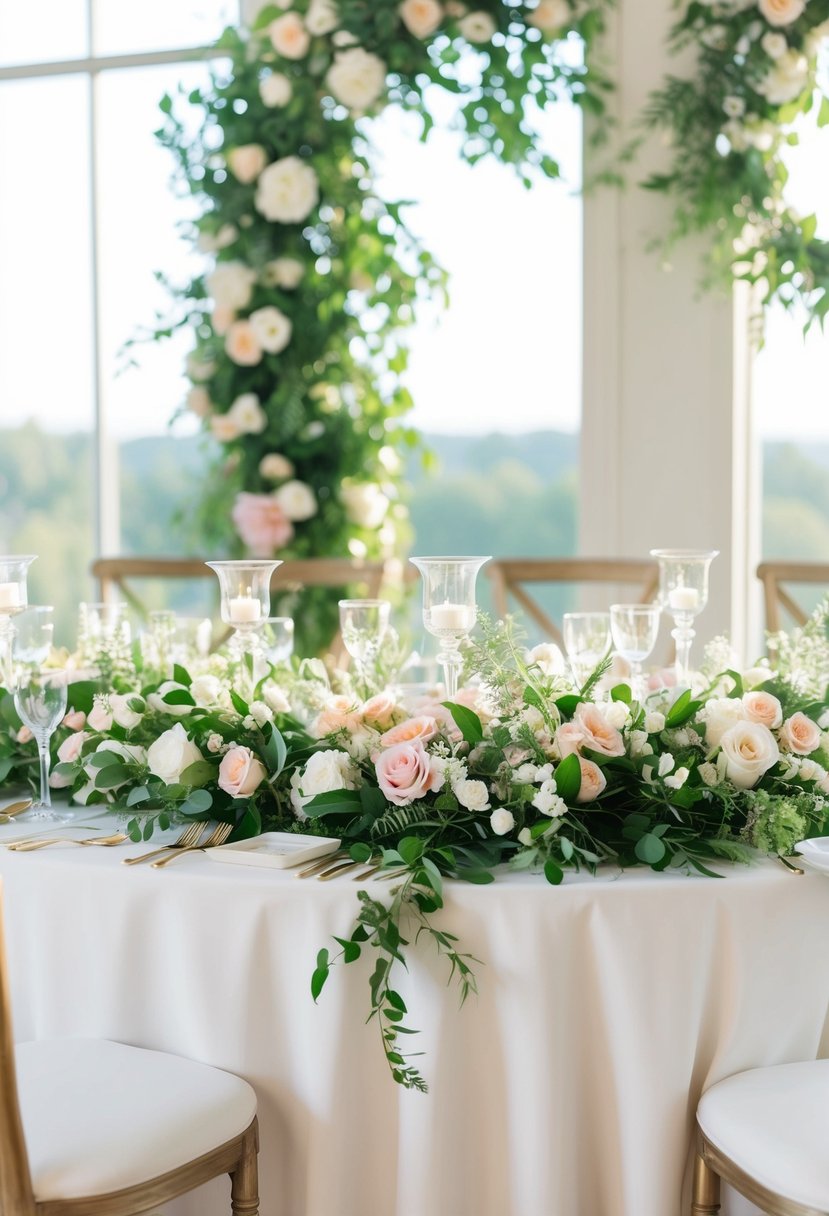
322, 864
188, 837
367, 873
340, 868
14, 808
218, 836
793, 869
393, 874
29, 846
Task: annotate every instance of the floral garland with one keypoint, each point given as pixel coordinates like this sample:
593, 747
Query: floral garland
757, 72
311, 277
521, 768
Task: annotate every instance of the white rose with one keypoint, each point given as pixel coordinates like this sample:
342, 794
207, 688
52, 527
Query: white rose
230, 285
246, 162
356, 78
287, 191
774, 44
719, 715
365, 504
750, 750
224, 428
324, 771
616, 714
286, 273
810, 770
100, 717
276, 698
344, 38
781, 12
786, 80
275, 467
127, 751
289, 36
548, 659
477, 27
734, 107
199, 403
171, 754
654, 722
275, 90
260, 712
550, 16
272, 328
501, 821
206, 690
421, 17
123, 713
297, 500
212, 242
322, 17
247, 415
157, 703
475, 797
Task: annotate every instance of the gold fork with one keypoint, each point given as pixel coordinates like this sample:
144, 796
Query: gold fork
14, 808
187, 838
29, 846
218, 836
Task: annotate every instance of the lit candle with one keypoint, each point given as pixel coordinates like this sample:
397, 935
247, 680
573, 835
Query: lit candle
245, 609
683, 599
10, 596
458, 617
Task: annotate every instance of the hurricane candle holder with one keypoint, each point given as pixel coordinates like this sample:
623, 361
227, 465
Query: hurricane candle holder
245, 588
364, 624
449, 608
683, 591
14, 597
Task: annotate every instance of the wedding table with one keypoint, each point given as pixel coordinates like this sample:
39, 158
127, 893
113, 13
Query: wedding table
566, 1088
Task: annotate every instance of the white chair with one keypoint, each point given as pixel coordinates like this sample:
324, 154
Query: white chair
90, 1126
764, 1132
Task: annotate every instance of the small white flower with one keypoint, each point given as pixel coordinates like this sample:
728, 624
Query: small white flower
297, 500
356, 78
677, 779
525, 773
214, 743
547, 801
654, 722
287, 192
666, 763
640, 744
247, 415
647, 774
365, 504
276, 698
206, 691
275, 90
774, 44
272, 328
230, 285
344, 38
616, 714
502, 821
285, 273
708, 773
322, 17
261, 713
734, 107
275, 467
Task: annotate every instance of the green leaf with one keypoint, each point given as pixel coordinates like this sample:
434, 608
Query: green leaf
650, 849
468, 722
111, 776
396, 1000
104, 759
682, 709
823, 113
351, 950
479, 877
566, 705
198, 774
333, 802
275, 751
197, 803
181, 675
553, 872
567, 777
178, 696
621, 692
360, 851
410, 849
138, 794
320, 974
242, 708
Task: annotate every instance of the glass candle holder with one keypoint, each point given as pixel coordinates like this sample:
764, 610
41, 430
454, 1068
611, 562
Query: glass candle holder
245, 588
14, 597
278, 639
449, 608
683, 591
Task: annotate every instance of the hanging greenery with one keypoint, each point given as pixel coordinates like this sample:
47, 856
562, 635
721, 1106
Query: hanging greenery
310, 279
730, 123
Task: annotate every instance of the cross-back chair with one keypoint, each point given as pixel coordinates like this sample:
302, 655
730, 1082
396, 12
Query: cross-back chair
774, 574
90, 1127
509, 576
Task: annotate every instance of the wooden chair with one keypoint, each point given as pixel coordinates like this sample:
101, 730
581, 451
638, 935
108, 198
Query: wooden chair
509, 574
90, 1127
764, 1133
773, 574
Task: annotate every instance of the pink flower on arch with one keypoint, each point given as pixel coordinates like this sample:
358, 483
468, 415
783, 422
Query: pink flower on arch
261, 523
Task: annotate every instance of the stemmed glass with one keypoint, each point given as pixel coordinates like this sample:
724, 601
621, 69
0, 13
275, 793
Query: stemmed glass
13, 599
586, 638
39, 697
449, 608
245, 588
278, 639
683, 591
635, 628
364, 624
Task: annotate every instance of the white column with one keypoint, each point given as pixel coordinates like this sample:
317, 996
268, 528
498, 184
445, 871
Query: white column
664, 446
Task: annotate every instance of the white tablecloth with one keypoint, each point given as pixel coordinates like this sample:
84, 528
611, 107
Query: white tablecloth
567, 1088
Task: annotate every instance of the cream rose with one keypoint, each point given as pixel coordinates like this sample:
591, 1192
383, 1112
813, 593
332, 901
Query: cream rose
473, 795
501, 821
365, 504
287, 191
750, 750
800, 735
127, 709
380, 711
297, 500
322, 17
171, 754
786, 80
593, 781
762, 707
275, 90
423, 727
356, 78
230, 285
289, 36
477, 27
224, 428
721, 713
199, 403
248, 415
246, 162
275, 467
206, 691
324, 771
241, 772
548, 658
550, 16
781, 12
286, 273
597, 733
272, 328
242, 344
421, 17
406, 772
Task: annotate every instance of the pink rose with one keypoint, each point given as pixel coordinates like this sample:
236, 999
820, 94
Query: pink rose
569, 738
242, 344
762, 707
240, 772
443, 718
423, 728
405, 773
340, 713
222, 319
379, 711
75, 719
289, 36
593, 781
421, 17
246, 162
800, 734
70, 749
99, 718
598, 734
261, 523
24, 735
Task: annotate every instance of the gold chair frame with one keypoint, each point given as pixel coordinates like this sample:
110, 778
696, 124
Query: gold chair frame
711, 1167
237, 1157
507, 575
772, 574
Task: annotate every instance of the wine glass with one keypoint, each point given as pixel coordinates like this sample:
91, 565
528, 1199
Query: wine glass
363, 624
278, 639
40, 700
634, 628
683, 591
34, 631
449, 608
587, 642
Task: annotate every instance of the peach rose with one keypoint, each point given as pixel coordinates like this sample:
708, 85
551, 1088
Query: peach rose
423, 727
70, 749
800, 734
24, 735
240, 772
222, 319
597, 732
246, 162
405, 773
75, 719
593, 781
550, 15
421, 17
242, 344
289, 36
379, 711
99, 718
443, 718
762, 707
340, 713
568, 738
781, 12
261, 523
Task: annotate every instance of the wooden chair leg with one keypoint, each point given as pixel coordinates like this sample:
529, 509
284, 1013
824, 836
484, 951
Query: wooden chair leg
705, 1197
244, 1180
